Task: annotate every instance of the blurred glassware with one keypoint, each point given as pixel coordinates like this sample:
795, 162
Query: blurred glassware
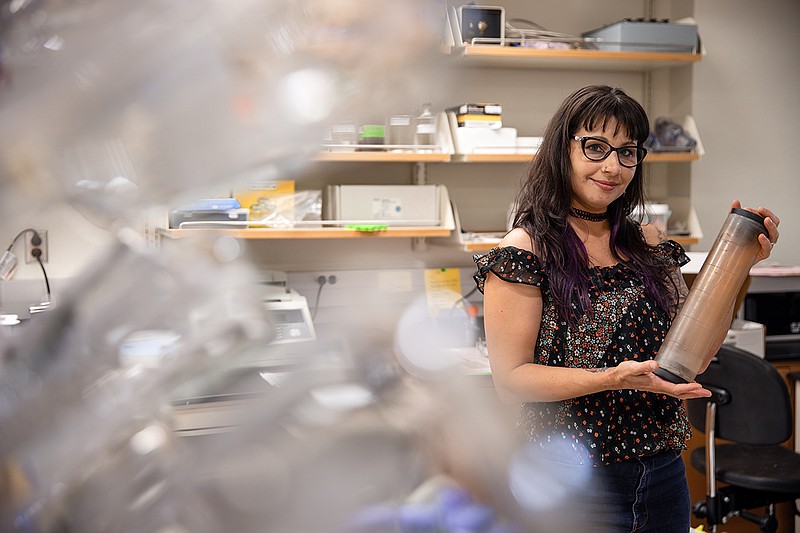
425, 135
400, 132
109, 107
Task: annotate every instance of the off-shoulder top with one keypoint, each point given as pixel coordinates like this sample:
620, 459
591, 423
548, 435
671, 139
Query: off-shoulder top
608, 426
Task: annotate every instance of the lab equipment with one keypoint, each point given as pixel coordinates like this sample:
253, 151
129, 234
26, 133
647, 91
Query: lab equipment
482, 24
212, 212
371, 136
393, 205
291, 318
645, 35
686, 348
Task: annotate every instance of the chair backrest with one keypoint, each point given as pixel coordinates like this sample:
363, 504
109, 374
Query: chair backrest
759, 410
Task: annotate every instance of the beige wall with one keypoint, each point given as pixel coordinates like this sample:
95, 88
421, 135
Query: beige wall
747, 106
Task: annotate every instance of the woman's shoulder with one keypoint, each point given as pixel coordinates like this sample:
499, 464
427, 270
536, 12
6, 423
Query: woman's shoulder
512, 260
517, 238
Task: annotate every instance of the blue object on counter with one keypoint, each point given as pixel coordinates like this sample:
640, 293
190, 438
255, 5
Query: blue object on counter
505, 527
374, 519
419, 518
214, 211
471, 518
452, 497
212, 204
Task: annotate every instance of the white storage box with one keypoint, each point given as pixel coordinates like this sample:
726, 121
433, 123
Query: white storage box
390, 205
748, 336
486, 140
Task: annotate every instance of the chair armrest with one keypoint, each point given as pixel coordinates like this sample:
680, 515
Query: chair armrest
719, 395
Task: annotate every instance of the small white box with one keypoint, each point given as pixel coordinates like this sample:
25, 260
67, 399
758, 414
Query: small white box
391, 205
748, 336
487, 140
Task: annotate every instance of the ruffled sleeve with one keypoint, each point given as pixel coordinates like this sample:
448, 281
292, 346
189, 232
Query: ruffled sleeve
673, 253
510, 264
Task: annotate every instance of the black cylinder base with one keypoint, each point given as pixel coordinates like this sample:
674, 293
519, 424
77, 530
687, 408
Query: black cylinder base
669, 376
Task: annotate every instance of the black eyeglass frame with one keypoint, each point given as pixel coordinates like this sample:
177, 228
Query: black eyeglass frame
583, 140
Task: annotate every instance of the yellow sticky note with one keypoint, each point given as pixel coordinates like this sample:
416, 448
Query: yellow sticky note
442, 288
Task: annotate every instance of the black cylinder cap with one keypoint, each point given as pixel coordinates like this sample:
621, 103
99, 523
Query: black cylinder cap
749, 214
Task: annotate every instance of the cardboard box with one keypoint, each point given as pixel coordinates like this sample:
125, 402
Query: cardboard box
258, 190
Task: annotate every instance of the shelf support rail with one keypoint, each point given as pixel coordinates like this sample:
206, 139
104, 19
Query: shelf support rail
419, 174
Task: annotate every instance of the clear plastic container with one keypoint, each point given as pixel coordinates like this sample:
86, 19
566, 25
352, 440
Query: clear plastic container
400, 133
425, 132
689, 341
345, 136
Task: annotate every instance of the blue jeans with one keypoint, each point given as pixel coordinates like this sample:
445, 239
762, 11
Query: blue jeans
644, 495
560, 492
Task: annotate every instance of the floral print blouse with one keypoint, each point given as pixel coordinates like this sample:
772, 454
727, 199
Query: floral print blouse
608, 426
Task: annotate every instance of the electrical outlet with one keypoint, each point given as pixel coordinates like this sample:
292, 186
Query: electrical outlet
29, 246
322, 279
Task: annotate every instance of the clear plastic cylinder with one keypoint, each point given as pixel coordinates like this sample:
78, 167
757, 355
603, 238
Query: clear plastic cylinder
690, 339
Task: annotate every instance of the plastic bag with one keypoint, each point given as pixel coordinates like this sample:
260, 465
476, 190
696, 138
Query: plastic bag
285, 211
669, 137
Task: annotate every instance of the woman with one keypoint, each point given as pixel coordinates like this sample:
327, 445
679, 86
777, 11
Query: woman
578, 297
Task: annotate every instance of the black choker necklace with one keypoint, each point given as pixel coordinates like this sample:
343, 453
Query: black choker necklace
585, 215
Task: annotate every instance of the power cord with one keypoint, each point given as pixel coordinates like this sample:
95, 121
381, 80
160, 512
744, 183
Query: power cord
37, 253
463, 300
321, 281
535, 32
36, 240
8, 262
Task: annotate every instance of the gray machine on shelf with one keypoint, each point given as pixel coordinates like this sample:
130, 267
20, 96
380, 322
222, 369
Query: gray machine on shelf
642, 35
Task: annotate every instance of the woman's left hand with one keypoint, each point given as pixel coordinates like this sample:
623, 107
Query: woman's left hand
771, 221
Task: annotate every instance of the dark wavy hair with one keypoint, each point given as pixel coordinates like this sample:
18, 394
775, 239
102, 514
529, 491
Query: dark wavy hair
544, 198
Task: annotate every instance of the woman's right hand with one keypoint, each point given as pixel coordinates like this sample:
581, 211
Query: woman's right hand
640, 375
771, 222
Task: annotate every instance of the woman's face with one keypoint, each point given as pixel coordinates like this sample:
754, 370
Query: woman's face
595, 184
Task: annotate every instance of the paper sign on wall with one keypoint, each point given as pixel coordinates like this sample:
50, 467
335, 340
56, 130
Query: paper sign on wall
442, 289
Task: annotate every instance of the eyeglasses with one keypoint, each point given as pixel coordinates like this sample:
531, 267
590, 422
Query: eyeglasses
597, 150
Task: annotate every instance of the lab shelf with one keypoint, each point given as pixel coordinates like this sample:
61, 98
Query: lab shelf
484, 244
387, 157
309, 233
474, 242
325, 229
572, 59
383, 157
662, 157
507, 156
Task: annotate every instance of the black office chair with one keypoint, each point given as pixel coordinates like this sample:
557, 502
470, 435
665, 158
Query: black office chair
750, 407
